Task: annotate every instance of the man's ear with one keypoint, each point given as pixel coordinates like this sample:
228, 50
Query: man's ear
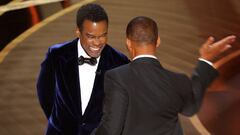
129, 45
130, 48
78, 32
158, 42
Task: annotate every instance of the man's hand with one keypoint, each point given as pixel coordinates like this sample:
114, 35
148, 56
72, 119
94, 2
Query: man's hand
210, 49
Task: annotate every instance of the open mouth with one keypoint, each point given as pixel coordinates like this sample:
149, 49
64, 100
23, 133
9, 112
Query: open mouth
94, 48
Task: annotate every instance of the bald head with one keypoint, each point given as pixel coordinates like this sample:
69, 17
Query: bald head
142, 30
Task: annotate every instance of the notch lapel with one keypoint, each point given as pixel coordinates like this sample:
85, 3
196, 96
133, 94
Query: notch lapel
70, 73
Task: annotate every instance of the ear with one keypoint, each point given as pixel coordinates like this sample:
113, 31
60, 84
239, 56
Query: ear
129, 45
130, 48
158, 42
78, 32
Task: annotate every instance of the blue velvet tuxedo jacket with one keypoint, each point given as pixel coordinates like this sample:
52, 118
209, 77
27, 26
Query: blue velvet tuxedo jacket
58, 89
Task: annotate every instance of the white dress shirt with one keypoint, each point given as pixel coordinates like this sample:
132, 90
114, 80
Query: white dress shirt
87, 75
145, 55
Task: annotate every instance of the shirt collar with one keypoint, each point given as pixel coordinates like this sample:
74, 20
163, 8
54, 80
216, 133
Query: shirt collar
81, 51
145, 55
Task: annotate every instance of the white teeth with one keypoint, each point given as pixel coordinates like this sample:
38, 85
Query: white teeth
94, 49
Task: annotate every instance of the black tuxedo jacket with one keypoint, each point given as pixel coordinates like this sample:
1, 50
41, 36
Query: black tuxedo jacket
143, 98
58, 89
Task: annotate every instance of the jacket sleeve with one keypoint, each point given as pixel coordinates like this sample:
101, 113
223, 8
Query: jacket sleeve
115, 107
202, 77
46, 84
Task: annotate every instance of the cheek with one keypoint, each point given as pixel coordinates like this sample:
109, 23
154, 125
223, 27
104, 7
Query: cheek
85, 43
88, 43
104, 41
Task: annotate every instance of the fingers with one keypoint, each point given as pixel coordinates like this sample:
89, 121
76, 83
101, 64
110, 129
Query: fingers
224, 44
209, 41
225, 41
210, 50
226, 47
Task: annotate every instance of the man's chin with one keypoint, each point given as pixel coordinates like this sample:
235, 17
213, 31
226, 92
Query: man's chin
95, 55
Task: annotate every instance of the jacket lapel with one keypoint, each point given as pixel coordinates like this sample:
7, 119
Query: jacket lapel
71, 75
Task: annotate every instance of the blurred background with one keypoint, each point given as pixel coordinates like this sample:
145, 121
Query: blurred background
29, 27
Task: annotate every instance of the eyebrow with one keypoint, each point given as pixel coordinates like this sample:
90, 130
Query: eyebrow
89, 34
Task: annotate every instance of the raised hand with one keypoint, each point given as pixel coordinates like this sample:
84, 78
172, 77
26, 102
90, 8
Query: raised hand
210, 49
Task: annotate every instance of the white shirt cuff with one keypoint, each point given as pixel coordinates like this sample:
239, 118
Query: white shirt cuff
208, 62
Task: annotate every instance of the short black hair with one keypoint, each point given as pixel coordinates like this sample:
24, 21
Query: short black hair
91, 12
142, 29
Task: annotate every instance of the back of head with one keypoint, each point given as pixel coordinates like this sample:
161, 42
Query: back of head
142, 30
91, 12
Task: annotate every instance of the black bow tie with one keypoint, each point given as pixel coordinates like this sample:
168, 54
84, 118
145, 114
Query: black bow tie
91, 61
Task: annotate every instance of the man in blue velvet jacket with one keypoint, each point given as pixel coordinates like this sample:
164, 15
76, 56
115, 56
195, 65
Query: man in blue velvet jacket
70, 83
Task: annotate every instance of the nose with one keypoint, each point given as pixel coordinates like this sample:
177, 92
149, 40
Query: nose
96, 41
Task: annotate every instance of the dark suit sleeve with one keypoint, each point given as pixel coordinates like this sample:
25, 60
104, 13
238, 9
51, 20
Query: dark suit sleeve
202, 77
115, 107
46, 85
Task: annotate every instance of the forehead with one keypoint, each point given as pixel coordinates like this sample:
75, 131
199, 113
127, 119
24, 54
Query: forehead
95, 27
